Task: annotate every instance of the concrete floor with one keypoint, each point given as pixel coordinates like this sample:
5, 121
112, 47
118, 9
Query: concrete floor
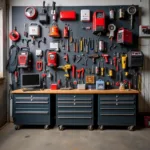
53, 139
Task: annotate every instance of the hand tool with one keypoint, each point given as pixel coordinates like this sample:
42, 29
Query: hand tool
121, 13
87, 46
110, 73
74, 58
74, 46
94, 57
51, 58
67, 15
105, 56
85, 15
131, 11
102, 69
85, 60
107, 84
27, 41
124, 36
53, 11
43, 16
25, 30
92, 44
111, 28
101, 46
99, 25
65, 68
129, 85
71, 36
14, 35
90, 79
39, 65
44, 81
78, 58
77, 46
50, 76
30, 12
80, 73
66, 31
86, 28
81, 44
111, 14
124, 61
66, 58
115, 62
97, 69
97, 46
67, 45
62, 44
59, 83
93, 69
73, 71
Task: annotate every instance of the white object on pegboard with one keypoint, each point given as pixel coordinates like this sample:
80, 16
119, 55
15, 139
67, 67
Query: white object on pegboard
85, 15
144, 31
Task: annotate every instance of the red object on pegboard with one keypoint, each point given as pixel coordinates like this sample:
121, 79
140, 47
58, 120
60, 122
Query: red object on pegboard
147, 121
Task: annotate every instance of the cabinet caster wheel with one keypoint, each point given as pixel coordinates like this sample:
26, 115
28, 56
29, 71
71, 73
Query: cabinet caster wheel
17, 127
61, 128
131, 128
46, 127
101, 127
90, 127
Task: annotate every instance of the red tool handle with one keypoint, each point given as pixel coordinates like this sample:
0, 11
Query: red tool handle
39, 65
73, 71
82, 72
78, 72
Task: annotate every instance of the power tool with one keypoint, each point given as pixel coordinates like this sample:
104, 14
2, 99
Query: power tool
51, 58
65, 68
99, 25
24, 58
124, 61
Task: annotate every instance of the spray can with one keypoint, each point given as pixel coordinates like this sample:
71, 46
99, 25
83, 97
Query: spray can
121, 13
112, 14
101, 45
66, 32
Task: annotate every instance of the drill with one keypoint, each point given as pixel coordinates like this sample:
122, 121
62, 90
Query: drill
65, 68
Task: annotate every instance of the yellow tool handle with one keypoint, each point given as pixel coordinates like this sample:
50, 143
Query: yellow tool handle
102, 71
81, 45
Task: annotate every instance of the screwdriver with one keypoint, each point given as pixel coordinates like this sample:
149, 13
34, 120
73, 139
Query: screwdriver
81, 45
102, 70
25, 31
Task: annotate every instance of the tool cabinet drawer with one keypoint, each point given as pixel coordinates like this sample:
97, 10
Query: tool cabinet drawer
117, 109
117, 97
74, 109
31, 109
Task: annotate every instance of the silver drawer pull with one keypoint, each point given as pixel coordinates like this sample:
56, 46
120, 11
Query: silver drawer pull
74, 117
117, 108
116, 96
74, 111
31, 112
117, 114
74, 106
74, 96
32, 102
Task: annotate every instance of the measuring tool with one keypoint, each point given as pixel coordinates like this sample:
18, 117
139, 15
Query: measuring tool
14, 35
30, 12
131, 11
124, 61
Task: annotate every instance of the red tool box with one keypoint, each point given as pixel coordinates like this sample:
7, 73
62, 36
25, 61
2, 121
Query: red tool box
67, 15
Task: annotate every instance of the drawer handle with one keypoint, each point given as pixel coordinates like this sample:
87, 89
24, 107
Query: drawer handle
117, 114
31, 112
31, 102
117, 108
74, 106
74, 117
74, 111
116, 96
74, 96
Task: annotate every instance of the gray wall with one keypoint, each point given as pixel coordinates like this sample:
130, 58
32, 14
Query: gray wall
144, 101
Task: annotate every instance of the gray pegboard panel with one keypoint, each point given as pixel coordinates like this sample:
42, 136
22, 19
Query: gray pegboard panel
18, 20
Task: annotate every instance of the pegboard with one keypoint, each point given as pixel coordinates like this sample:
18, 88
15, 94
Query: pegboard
19, 19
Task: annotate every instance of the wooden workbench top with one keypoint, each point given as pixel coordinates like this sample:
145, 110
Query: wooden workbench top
48, 91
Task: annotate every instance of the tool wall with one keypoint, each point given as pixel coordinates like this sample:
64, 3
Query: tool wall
102, 55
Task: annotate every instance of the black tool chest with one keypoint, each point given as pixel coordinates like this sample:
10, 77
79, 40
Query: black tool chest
74, 109
117, 109
32, 109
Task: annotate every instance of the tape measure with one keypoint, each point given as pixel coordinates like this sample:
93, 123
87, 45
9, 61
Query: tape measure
30, 13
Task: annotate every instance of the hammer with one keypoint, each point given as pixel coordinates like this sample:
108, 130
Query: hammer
94, 57
105, 56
